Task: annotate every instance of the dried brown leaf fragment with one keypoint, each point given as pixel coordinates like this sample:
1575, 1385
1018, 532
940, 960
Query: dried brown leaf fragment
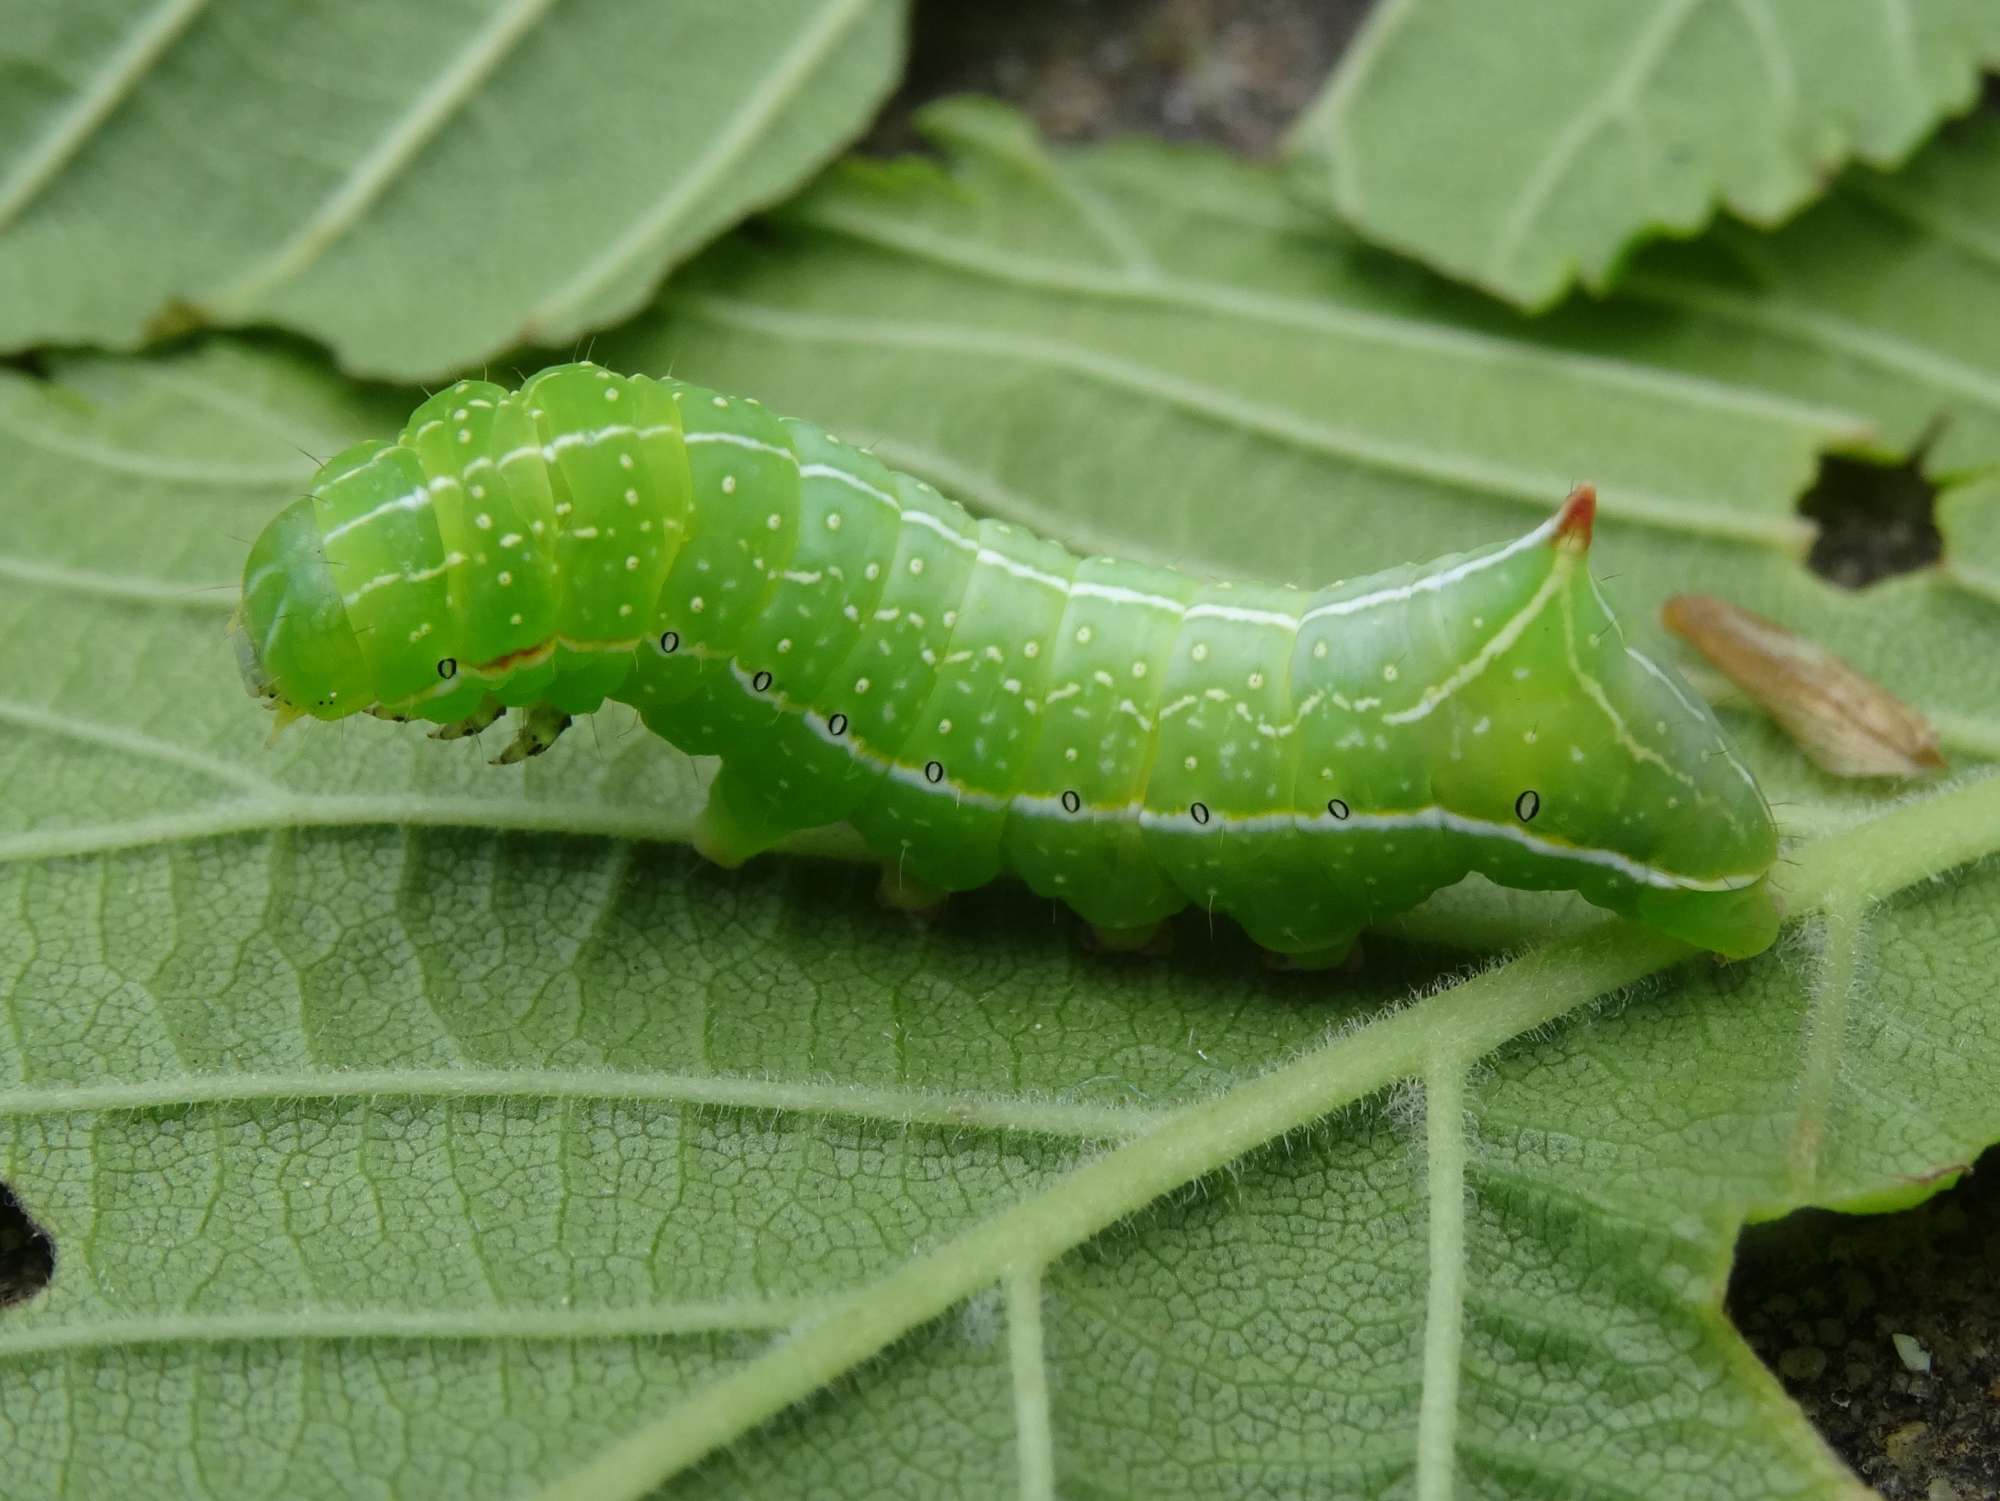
1850, 725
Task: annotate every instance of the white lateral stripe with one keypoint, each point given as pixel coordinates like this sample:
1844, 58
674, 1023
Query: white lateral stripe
1501, 639
1180, 821
1443, 579
1674, 688
416, 576
1594, 691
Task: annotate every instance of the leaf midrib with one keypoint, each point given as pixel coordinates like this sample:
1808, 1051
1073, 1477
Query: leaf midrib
1859, 867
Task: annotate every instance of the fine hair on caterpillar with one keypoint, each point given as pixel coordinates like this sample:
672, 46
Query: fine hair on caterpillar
978, 701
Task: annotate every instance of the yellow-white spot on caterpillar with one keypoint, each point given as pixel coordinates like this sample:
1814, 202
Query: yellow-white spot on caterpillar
916, 565
511, 539
421, 631
537, 527
944, 726
1102, 678
1070, 754
1200, 652
784, 645
728, 484
461, 414
610, 393
585, 533
1138, 669
1389, 673
1529, 737
1083, 635
631, 562
465, 435
624, 610
515, 618
1030, 650
1319, 651
697, 605
1576, 753
479, 492
950, 619
483, 521
861, 685
833, 521
718, 401
872, 572
1520, 674
1481, 725
625, 461
631, 497
505, 577
1190, 764
1256, 680
773, 521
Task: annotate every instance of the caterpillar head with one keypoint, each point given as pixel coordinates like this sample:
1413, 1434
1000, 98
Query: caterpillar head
294, 645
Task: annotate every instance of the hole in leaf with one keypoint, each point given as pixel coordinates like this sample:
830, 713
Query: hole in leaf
1875, 520
27, 1255
1213, 70
1821, 1297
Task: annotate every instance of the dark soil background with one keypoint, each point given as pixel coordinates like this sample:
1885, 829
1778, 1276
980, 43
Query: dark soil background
1818, 1295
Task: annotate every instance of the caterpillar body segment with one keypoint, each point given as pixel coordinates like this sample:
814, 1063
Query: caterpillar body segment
978, 701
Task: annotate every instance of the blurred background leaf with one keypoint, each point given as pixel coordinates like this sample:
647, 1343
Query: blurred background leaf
419, 187
1526, 149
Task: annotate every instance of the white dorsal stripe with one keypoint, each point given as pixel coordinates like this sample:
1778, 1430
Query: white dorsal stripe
1118, 594
1431, 582
744, 440
995, 559
1242, 615
852, 481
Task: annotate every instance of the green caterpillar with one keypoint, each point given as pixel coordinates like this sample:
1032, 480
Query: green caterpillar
977, 700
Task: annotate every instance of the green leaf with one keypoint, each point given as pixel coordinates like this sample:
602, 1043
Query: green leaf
1525, 156
420, 187
409, 1127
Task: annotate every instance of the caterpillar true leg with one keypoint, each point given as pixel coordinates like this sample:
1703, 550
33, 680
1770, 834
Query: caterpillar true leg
478, 722
538, 727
